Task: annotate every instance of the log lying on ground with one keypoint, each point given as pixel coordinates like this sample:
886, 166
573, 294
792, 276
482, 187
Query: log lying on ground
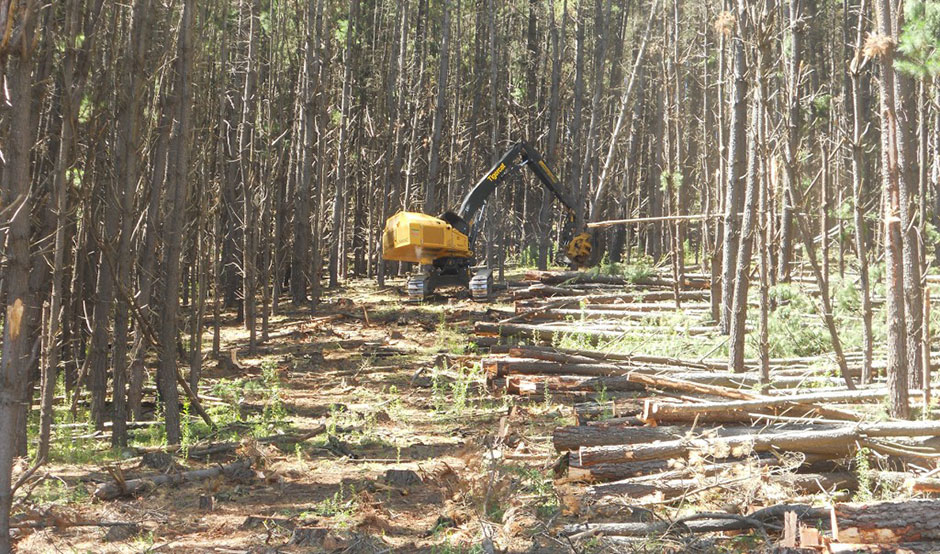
578, 277
500, 367
523, 385
545, 333
617, 408
199, 452
566, 314
697, 523
803, 483
605, 472
601, 363
572, 277
529, 351
599, 473
912, 521
573, 437
539, 332
503, 366
116, 489
533, 296
656, 307
672, 412
835, 442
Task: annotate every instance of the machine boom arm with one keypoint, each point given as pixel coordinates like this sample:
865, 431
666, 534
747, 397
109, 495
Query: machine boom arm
473, 204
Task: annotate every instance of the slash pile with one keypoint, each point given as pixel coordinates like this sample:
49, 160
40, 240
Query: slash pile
663, 431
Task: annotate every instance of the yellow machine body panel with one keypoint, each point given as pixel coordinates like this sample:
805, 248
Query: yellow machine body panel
421, 238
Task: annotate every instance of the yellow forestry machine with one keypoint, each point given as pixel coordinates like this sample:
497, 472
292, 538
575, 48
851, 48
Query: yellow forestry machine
444, 245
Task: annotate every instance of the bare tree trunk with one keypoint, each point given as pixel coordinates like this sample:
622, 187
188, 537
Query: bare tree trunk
554, 101
590, 151
897, 367
858, 214
251, 194
176, 207
303, 240
393, 100
129, 140
574, 155
432, 190
338, 249
743, 273
734, 198
905, 113
794, 126
20, 310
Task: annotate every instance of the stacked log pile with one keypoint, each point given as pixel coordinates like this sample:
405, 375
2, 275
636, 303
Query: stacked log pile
657, 430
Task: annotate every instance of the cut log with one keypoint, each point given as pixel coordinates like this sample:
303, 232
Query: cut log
588, 411
538, 332
549, 355
500, 367
578, 277
546, 333
633, 358
575, 314
671, 383
835, 442
573, 437
572, 277
200, 452
685, 381
599, 473
669, 487
888, 522
535, 294
664, 411
109, 491
517, 384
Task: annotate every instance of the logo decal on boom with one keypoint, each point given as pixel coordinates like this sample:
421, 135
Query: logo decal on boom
497, 172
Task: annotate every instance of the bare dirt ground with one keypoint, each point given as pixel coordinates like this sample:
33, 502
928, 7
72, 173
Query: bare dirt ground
417, 456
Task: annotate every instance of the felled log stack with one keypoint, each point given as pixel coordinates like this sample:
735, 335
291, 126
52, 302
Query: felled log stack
657, 430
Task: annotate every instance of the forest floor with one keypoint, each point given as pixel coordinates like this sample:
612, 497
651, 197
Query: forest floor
397, 388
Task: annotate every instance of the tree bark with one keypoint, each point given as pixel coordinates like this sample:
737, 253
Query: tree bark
21, 311
134, 90
897, 368
338, 249
432, 189
858, 212
734, 199
176, 207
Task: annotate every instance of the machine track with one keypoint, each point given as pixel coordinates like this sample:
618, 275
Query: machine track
481, 285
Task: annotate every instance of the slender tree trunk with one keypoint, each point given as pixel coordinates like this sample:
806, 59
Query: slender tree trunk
176, 207
858, 213
554, 101
897, 366
574, 156
734, 198
301, 259
905, 110
251, 194
743, 273
794, 126
338, 249
129, 175
432, 191
20, 309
